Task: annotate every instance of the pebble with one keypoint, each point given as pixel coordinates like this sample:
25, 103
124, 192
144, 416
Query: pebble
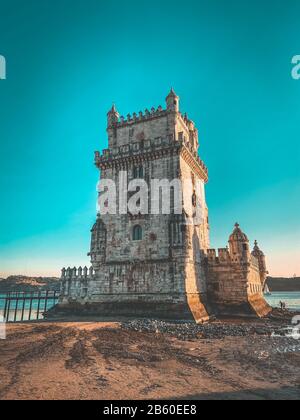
190, 330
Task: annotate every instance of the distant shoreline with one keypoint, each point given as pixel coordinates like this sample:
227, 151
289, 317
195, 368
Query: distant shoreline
282, 284
20, 283
28, 284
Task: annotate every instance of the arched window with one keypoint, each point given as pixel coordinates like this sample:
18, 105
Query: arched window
137, 234
138, 172
194, 199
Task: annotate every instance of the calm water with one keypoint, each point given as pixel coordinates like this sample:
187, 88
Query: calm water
34, 309
292, 300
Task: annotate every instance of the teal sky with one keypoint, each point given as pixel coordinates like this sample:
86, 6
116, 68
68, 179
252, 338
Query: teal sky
68, 60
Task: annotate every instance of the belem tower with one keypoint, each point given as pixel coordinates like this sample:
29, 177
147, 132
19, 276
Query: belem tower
159, 265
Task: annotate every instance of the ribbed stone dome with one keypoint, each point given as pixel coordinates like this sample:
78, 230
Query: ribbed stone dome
257, 252
238, 235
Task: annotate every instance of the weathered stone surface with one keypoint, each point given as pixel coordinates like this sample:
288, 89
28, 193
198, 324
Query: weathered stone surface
171, 272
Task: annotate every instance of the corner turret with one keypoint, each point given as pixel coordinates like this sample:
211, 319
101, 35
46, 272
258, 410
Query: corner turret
112, 117
260, 256
172, 101
98, 244
239, 244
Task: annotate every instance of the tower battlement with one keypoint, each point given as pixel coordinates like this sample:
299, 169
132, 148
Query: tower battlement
152, 124
140, 117
147, 115
218, 256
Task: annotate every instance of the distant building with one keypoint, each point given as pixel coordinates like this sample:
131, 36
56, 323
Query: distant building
159, 265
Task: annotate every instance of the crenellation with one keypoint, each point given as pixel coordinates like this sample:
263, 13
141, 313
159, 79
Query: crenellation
75, 283
75, 273
223, 254
168, 269
211, 255
122, 122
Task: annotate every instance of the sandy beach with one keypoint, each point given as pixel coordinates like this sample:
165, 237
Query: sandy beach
93, 360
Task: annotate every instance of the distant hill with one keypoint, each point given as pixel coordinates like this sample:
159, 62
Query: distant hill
282, 284
31, 284
28, 284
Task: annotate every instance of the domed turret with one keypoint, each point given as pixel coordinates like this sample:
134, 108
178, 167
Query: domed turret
98, 243
238, 234
239, 243
257, 253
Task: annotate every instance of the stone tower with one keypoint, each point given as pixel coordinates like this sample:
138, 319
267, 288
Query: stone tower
149, 262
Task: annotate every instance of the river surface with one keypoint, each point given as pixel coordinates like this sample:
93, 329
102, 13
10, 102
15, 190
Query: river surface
291, 299
37, 306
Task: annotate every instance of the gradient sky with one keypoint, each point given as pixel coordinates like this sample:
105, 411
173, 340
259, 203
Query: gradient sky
68, 60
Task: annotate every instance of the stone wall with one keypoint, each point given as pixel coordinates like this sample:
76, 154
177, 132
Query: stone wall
234, 284
166, 264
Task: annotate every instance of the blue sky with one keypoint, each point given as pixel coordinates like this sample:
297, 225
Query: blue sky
67, 61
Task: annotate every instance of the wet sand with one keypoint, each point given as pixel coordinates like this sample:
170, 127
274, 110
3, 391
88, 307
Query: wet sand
93, 360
